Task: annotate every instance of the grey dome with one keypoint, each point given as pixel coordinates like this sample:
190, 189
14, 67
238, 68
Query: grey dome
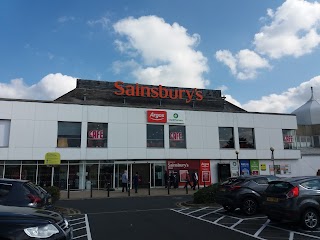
308, 113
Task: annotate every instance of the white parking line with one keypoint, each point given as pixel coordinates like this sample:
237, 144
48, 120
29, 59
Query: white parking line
88, 227
240, 221
210, 213
291, 236
198, 210
216, 221
261, 229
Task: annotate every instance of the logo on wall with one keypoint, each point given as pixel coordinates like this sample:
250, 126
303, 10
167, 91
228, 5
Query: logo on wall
95, 134
176, 117
176, 136
157, 116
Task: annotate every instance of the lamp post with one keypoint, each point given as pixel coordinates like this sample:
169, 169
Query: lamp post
237, 153
272, 159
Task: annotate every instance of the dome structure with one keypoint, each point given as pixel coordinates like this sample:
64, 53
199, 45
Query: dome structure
308, 113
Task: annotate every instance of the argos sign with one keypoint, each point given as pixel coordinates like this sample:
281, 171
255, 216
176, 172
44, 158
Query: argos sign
155, 116
157, 92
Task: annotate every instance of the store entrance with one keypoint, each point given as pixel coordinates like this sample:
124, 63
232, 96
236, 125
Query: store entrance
143, 171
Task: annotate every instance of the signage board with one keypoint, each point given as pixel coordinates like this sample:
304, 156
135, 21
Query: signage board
156, 116
254, 167
95, 134
52, 158
176, 117
244, 167
234, 168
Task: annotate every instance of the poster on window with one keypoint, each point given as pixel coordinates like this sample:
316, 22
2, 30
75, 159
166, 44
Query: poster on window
205, 172
254, 167
234, 168
245, 167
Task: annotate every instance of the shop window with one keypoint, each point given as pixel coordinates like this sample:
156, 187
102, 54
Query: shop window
246, 138
69, 134
177, 136
4, 133
97, 135
289, 136
226, 137
155, 136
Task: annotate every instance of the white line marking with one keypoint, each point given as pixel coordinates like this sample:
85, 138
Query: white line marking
253, 218
88, 227
291, 236
299, 233
75, 219
210, 213
74, 230
261, 229
216, 221
237, 223
198, 210
74, 224
79, 236
220, 225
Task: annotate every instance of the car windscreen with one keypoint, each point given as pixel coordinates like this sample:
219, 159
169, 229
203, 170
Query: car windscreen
279, 187
33, 188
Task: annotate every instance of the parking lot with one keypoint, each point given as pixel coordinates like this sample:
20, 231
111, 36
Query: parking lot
257, 226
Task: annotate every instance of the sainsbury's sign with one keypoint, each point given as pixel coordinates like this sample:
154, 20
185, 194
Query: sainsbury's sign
138, 90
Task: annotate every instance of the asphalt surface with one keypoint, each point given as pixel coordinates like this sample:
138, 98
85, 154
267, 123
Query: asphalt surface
142, 218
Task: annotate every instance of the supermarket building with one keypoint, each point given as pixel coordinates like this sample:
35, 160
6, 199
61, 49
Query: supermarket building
99, 129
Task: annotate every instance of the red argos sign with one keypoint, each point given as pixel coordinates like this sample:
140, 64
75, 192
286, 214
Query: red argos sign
155, 116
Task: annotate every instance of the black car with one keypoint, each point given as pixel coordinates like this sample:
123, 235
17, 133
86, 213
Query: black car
294, 199
23, 193
244, 192
31, 223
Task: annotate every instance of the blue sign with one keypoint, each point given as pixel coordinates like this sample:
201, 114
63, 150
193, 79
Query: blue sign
244, 167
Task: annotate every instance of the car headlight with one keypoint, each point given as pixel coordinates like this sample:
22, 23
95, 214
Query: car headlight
41, 232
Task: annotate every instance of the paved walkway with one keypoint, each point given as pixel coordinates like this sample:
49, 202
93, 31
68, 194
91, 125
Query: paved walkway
144, 192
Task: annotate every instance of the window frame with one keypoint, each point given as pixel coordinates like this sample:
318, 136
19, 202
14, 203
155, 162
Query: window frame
225, 140
247, 142
98, 143
65, 141
293, 144
154, 142
177, 142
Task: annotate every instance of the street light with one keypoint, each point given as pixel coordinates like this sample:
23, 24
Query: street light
272, 159
237, 153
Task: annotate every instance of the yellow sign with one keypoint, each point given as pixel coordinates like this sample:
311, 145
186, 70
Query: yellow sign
52, 158
263, 167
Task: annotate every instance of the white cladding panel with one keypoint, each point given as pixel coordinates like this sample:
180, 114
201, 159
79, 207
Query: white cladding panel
137, 135
4, 154
226, 119
70, 112
137, 115
118, 115
210, 118
194, 136
23, 110
6, 110
97, 114
46, 111
21, 134
193, 118
45, 134
244, 120
288, 122
118, 135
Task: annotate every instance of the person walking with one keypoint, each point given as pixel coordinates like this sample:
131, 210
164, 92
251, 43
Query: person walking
194, 180
136, 182
188, 180
124, 180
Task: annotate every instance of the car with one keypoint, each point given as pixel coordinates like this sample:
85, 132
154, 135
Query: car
295, 200
244, 192
31, 223
23, 193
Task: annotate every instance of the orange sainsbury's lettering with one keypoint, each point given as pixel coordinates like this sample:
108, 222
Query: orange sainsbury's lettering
156, 92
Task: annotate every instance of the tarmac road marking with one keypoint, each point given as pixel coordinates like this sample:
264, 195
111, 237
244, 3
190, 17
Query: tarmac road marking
240, 221
262, 228
88, 227
216, 221
298, 233
198, 210
291, 236
210, 213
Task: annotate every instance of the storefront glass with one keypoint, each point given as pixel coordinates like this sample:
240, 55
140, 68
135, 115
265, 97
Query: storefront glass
44, 175
29, 170
92, 174
61, 175
106, 175
74, 175
12, 169
159, 174
1, 169
177, 136
97, 135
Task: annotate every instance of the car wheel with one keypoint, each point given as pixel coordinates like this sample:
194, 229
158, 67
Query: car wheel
228, 208
249, 206
310, 219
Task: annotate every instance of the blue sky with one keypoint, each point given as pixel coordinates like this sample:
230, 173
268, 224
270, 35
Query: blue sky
263, 55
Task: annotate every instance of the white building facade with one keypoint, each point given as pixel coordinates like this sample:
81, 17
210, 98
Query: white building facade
97, 142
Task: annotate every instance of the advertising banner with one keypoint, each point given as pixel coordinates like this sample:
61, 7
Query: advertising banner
263, 167
244, 167
180, 168
254, 167
156, 116
234, 168
176, 117
205, 173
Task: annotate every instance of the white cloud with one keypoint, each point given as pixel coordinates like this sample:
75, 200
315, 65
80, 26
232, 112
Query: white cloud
64, 19
167, 52
244, 65
287, 101
50, 87
293, 31
104, 22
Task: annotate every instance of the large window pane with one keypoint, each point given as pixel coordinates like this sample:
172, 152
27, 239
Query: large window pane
289, 137
226, 138
97, 135
177, 136
4, 133
155, 136
69, 134
246, 138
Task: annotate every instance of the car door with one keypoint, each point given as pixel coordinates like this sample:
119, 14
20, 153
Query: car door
5, 189
311, 191
261, 185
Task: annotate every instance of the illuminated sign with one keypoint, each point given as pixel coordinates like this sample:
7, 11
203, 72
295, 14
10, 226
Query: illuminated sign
157, 92
95, 134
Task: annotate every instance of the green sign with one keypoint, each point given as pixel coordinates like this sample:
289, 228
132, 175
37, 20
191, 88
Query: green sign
52, 158
254, 167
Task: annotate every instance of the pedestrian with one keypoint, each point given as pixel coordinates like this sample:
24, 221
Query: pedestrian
124, 180
188, 180
194, 179
171, 180
136, 182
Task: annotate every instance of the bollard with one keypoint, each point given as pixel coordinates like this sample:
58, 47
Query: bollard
108, 188
198, 185
186, 188
68, 190
129, 190
168, 187
149, 189
91, 190
204, 183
